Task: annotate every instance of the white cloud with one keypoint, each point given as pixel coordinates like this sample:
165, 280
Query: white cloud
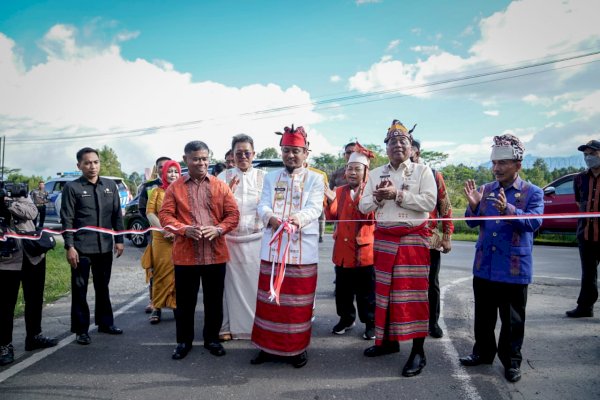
416, 31
127, 35
587, 107
335, 78
81, 89
426, 49
393, 44
492, 113
561, 27
362, 2
468, 31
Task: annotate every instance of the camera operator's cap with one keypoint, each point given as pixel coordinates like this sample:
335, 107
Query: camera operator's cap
293, 137
592, 144
507, 147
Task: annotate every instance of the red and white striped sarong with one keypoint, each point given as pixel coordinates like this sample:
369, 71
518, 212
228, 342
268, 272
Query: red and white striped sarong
401, 283
285, 329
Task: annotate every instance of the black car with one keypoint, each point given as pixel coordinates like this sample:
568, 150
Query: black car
136, 221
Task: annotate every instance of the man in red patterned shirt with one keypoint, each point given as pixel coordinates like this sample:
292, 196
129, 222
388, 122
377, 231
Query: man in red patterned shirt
441, 242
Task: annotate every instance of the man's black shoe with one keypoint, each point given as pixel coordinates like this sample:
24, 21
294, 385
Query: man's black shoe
579, 313
39, 341
386, 348
215, 348
369, 332
111, 330
436, 332
512, 374
261, 357
83, 338
7, 354
341, 327
300, 360
473, 360
181, 351
415, 364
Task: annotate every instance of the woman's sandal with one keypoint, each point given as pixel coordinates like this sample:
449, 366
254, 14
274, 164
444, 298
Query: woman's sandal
155, 316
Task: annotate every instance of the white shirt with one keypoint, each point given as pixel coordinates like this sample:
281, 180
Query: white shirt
300, 194
419, 194
247, 195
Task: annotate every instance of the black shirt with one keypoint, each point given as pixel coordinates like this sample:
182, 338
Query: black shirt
87, 204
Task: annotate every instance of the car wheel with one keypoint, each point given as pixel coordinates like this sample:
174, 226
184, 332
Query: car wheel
138, 240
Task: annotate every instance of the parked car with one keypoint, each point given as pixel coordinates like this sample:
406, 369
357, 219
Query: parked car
268, 164
559, 198
133, 219
55, 186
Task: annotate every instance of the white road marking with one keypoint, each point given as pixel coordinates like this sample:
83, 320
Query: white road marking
40, 355
458, 372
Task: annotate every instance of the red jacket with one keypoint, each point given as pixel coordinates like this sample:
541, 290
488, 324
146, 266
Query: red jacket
176, 212
353, 240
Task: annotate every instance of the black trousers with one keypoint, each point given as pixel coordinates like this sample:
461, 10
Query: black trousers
187, 284
434, 287
101, 267
355, 282
41, 215
589, 252
33, 278
510, 300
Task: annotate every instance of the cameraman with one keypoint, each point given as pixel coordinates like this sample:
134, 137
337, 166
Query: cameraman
20, 267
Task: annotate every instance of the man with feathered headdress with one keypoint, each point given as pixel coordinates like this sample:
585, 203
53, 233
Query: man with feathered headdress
353, 247
290, 205
402, 194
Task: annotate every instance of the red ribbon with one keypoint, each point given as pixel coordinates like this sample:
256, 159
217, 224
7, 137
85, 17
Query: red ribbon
277, 278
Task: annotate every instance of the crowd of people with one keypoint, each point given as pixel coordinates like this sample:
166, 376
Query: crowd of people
251, 240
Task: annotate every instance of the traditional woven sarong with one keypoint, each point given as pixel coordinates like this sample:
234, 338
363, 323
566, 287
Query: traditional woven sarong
285, 329
401, 274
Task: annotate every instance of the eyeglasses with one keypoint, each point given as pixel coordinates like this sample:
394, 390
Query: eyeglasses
348, 152
240, 154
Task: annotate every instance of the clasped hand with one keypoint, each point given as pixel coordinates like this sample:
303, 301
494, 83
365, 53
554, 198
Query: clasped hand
201, 232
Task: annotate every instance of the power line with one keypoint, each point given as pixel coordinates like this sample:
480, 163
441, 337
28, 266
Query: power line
266, 113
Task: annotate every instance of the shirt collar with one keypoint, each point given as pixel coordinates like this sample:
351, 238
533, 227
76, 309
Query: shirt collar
403, 165
84, 181
188, 177
517, 184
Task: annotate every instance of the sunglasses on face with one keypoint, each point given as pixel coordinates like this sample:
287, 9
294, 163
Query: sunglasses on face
240, 154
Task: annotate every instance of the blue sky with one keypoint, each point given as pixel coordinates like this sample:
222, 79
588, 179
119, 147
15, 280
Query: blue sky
72, 68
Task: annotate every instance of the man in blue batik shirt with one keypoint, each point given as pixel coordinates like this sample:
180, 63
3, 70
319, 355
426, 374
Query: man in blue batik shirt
503, 265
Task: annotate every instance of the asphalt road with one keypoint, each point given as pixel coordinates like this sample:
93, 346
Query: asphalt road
562, 356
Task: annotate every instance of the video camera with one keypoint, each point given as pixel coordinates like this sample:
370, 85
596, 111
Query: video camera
9, 190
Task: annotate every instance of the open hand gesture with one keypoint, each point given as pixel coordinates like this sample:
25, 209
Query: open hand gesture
472, 194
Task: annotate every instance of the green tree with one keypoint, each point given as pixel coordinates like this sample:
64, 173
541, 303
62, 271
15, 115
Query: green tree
327, 162
380, 155
269, 152
433, 158
538, 174
109, 162
133, 181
